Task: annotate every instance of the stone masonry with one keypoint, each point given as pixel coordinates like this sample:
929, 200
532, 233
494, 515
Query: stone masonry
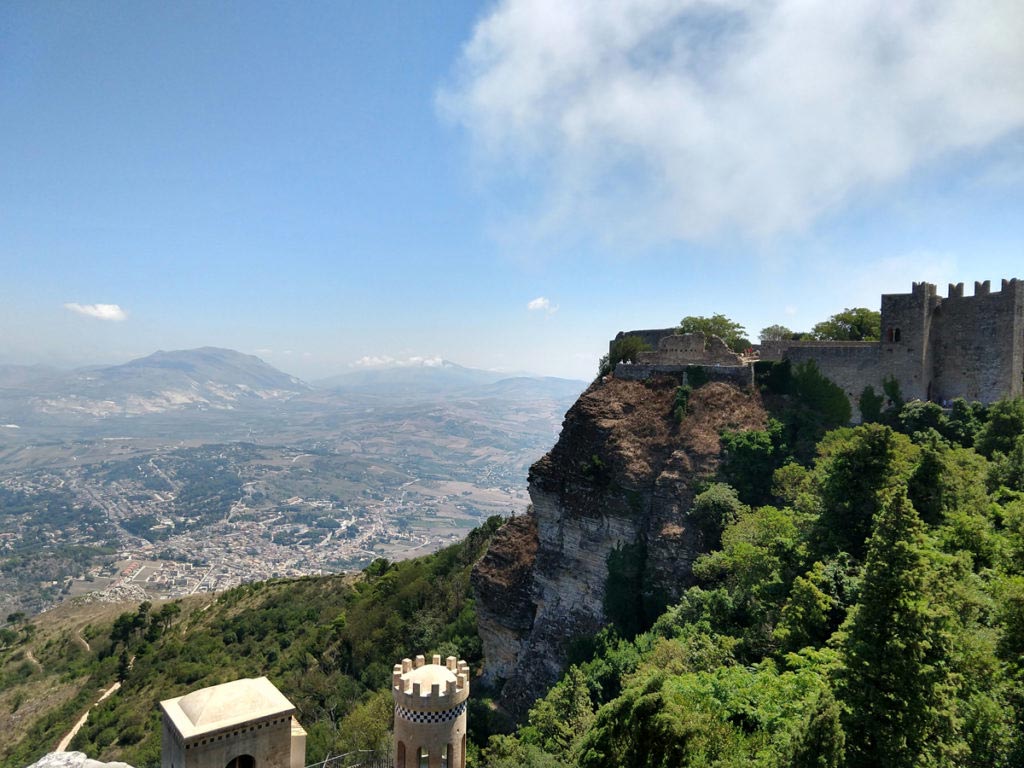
936, 348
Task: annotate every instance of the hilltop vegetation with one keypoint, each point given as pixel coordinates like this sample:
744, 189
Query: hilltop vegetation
328, 642
864, 608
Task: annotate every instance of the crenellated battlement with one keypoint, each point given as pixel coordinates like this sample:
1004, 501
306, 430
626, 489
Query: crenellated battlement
936, 348
432, 687
430, 712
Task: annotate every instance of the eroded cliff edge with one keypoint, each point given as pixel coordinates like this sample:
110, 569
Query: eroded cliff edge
608, 538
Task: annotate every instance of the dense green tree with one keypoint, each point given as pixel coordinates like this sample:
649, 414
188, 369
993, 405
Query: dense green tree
946, 480
918, 417
1008, 469
897, 684
964, 421
750, 458
624, 350
776, 333
856, 469
724, 717
558, 721
713, 510
729, 331
808, 617
761, 554
857, 324
1005, 425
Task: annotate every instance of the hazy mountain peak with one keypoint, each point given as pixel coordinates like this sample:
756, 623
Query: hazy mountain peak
183, 379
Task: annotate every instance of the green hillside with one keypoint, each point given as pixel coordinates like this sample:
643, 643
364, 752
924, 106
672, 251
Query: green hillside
868, 612
329, 643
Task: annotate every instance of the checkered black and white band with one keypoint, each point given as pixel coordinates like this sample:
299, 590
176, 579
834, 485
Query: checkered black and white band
444, 716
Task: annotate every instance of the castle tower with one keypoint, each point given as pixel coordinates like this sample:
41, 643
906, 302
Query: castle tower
978, 342
430, 713
906, 339
241, 724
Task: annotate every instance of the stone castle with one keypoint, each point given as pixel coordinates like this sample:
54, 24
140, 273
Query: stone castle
936, 348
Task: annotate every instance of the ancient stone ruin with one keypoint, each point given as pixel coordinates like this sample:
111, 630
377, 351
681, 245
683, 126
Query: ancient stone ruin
935, 348
676, 352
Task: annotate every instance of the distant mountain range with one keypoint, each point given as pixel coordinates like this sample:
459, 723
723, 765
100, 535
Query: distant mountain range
212, 378
447, 378
197, 379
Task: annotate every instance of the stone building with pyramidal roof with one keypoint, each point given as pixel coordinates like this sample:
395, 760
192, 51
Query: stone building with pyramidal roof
246, 723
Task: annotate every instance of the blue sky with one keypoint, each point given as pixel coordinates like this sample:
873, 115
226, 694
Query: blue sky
505, 185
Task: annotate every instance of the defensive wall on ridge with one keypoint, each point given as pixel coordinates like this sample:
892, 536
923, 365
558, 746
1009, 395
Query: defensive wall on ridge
936, 348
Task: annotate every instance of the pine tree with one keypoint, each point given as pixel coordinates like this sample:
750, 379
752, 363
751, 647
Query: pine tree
896, 684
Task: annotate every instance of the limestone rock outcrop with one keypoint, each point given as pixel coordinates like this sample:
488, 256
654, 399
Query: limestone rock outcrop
610, 507
72, 760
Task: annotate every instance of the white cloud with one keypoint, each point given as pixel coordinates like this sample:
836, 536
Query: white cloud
386, 361
686, 118
542, 304
99, 311
896, 274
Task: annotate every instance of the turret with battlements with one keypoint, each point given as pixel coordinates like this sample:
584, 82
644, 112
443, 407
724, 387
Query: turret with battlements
430, 712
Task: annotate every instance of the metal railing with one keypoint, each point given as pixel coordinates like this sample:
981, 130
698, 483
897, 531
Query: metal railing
360, 758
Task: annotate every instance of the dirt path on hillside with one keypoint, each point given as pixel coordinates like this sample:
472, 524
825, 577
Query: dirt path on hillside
77, 635
32, 659
63, 746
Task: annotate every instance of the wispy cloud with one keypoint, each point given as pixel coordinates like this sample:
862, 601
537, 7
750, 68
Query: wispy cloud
542, 304
99, 311
687, 118
386, 361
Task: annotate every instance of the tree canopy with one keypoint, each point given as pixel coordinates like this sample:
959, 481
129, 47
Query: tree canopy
624, 350
777, 333
857, 324
875, 619
729, 331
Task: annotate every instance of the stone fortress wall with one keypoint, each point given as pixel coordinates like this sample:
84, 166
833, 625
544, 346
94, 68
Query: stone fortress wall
936, 348
978, 347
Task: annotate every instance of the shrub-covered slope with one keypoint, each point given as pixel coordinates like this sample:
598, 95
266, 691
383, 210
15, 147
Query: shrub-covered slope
328, 643
864, 608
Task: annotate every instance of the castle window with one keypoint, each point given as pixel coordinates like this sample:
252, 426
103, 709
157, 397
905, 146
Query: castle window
422, 758
892, 335
400, 757
446, 758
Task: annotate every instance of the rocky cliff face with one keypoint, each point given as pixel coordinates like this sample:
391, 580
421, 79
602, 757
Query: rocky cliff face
608, 538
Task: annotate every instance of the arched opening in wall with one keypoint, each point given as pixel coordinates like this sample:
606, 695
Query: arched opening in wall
892, 335
400, 755
462, 753
242, 761
446, 758
422, 758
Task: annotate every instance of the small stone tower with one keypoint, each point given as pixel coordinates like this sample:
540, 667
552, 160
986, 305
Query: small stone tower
241, 724
430, 713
